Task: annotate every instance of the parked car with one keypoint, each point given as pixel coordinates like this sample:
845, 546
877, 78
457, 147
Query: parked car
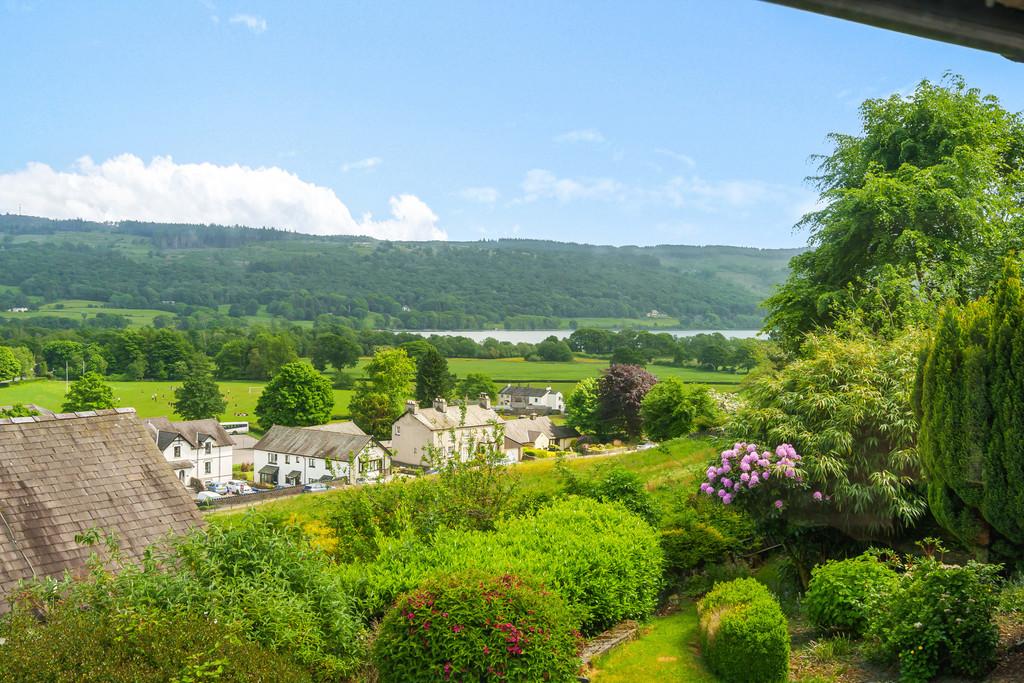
239, 487
218, 487
206, 497
315, 487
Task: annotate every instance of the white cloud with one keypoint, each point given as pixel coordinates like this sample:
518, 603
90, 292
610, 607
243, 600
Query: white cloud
716, 196
543, 184
581, 135
127, 188
684, 159
480, 195
367, 164
254, 23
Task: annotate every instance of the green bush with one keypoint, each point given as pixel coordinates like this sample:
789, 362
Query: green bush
840, 592
614, 484
700, 530
134, 646
939, 619
474, 627
602, 559
744, 635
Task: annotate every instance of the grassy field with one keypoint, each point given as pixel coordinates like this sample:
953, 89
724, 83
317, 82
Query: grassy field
665, 651
241, 397
80, 309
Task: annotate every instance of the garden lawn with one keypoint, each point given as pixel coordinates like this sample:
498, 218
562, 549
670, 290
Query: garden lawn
241, 397
665, 651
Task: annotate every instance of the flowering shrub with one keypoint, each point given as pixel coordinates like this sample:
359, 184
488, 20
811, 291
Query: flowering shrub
744, 635
840, 591
938, 618
746, 472
475, 627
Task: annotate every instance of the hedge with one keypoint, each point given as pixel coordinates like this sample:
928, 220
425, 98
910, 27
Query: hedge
744, 635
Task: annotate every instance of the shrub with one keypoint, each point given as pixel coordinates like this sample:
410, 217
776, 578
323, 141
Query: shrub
602, 559
613, 484
133, 646
700, 530
840, 591
474, 627
939, 619
744, 635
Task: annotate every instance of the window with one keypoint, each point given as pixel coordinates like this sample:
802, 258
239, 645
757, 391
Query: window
208, 449
181, 475
177, 451
287, 459
398, 430
206, 468
312, 462
272, 458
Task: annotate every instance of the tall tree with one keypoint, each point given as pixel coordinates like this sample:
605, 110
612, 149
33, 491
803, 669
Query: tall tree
620, 394
672, 409
432, 377
379, 401
341, 350
88, 392
199, 397
930, 188
297, 396
475, 383
971, 388
10, 367
581, 407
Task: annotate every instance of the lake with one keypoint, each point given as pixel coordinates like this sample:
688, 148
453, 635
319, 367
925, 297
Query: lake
537, 336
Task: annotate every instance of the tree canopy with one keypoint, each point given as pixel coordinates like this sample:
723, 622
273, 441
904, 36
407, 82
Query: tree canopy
297, 396
921, 203
88, 392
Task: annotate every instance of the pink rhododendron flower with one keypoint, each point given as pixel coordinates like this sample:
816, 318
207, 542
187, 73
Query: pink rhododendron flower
778, 504
727, 498
817, 495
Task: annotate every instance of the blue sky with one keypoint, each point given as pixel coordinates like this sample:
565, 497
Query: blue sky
615, 123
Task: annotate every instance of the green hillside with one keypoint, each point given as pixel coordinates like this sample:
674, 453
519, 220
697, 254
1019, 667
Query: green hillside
265, 273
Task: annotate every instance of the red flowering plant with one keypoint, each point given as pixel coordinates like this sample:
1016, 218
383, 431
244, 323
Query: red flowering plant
472, 626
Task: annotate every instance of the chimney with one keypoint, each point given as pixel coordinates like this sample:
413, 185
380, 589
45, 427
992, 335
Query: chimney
440, 405
548, 389
533, 415
410, 407
485, 400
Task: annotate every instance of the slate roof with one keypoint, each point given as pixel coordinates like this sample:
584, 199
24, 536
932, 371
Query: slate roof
164, 432
61, 475
451, 418
510, 390
340, 428
526, 430
312, 443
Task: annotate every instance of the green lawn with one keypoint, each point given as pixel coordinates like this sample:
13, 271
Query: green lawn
241, 397
80, 309
665, 651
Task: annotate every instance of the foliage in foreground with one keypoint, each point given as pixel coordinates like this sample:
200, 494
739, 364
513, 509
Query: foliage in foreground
602, 559
134, 645
841, 592
971, 399
938, 618
744, 635
473, 627
264, 580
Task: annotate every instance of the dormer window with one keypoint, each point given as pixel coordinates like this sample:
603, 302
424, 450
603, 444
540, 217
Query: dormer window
177, 451
208, 448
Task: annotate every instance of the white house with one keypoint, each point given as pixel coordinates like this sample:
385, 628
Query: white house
196, 449
531, 398
443, 431
535, 432
295, 456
